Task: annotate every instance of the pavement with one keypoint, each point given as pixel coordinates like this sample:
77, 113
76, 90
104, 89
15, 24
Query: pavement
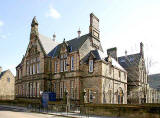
22, 112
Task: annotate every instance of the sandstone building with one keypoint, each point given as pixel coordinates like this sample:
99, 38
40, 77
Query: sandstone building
7, 85
153, 88
78, 66
137, 76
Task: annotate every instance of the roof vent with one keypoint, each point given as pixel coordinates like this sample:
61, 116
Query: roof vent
79, 33
54, 37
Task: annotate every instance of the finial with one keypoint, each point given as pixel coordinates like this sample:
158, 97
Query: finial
125, 52
64, 40
34, 21
141, 49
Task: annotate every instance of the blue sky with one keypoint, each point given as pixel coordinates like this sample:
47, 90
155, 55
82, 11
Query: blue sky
123, 23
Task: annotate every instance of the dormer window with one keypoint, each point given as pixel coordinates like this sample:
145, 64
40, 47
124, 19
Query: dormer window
90, 65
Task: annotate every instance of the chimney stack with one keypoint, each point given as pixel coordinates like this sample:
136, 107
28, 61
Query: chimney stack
79, 33
94, 26
112, 52
54, 37
0, 69
141, 49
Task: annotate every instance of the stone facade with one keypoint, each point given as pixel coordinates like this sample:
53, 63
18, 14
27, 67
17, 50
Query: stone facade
78, 68
137, 76
7, 85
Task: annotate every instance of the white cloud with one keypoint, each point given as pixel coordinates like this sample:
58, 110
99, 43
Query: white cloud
1, 23
53, 13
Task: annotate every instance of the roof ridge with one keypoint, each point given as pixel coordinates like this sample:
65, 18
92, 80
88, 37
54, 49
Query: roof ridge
77, 38
130, 55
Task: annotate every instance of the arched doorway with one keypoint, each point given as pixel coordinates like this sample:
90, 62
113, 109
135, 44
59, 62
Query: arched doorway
120, 96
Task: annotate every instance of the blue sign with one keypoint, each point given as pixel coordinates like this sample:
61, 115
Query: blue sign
45, 99
48, 96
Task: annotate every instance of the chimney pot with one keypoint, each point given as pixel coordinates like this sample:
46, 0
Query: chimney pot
79, 33
54, 37
125, 52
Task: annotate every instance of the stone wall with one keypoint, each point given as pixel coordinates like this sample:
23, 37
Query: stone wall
7, 86
127, 111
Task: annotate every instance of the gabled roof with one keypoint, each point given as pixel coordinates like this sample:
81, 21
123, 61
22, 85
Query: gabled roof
154, 81
73, 45
99, 55
116, 64
47, 43
129, 60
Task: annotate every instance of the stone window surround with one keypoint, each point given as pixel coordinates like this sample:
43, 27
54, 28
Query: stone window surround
33, 65
90, 65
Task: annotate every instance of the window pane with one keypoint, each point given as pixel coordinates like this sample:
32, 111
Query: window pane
90, 65
72, 63
61, 65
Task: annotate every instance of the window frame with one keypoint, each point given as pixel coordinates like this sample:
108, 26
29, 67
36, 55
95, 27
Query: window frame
91, 65
72, 63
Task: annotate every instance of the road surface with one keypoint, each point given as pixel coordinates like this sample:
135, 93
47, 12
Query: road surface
7, 112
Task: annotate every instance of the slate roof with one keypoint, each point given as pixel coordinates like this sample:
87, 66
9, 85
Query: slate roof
47, 43
116, 64
129, 60
73, 45
154, 81
99, 55
2, 73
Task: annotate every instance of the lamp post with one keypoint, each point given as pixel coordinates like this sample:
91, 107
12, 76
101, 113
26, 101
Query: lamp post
67, 101
84, 96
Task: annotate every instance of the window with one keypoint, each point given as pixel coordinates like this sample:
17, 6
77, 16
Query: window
38, 89
27, 68
72, 89
90, 96
30, 69
61, 89
31, 89
54, 88
38, 67
61, 65
55, 66
119, 74
34, 69
19, 73
72, 63
34, 89
8, 79
90, 65
65, 65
